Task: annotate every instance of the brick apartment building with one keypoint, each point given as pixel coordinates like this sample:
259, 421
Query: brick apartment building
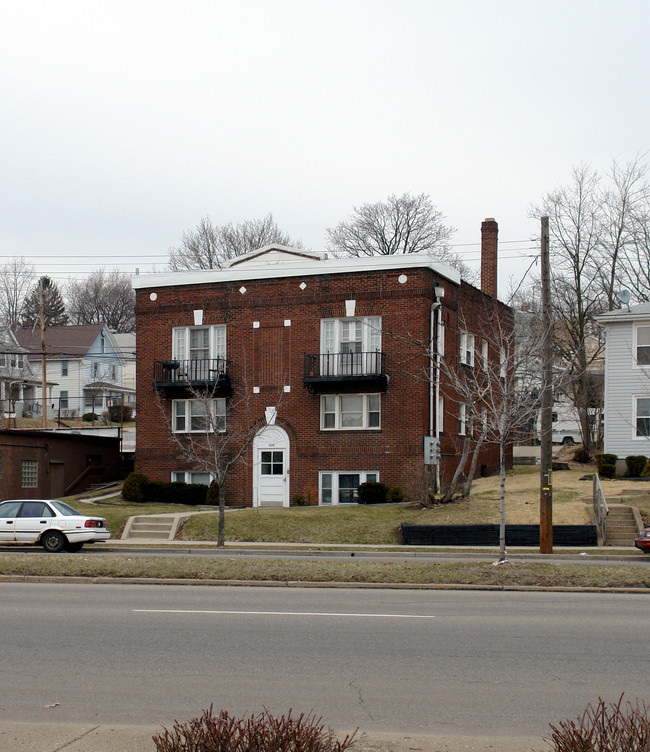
319, 370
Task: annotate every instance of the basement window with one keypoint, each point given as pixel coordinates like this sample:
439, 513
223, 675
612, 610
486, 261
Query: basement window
341, 487
29, 474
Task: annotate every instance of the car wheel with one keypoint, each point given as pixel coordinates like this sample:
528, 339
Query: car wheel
53, 541
73, 547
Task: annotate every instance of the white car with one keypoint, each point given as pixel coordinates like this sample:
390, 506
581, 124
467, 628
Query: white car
54, 524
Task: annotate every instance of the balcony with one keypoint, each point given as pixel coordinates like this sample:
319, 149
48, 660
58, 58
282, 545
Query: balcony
345, 372
179, 378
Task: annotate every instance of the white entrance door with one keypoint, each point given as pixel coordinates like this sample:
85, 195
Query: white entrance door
271, 468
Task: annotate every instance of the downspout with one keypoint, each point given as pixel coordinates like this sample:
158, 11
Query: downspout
434, 373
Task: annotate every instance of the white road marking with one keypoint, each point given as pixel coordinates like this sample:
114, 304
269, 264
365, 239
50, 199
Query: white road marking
276, 613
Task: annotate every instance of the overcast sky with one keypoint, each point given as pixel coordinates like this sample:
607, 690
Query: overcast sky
123, 123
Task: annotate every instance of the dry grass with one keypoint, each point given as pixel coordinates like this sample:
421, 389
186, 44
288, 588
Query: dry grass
380, 524
357, 571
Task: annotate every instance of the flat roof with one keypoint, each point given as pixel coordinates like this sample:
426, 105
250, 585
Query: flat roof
273, 262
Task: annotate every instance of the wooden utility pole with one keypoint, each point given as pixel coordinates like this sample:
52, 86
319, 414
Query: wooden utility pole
546, 455
43, 353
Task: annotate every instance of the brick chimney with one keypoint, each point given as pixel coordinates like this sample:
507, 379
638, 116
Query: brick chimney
489, 249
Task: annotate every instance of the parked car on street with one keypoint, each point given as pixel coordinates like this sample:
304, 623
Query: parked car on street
53, 524
643, 541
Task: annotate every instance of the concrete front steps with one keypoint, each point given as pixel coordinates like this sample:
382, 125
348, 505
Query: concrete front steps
153, 527
622, 525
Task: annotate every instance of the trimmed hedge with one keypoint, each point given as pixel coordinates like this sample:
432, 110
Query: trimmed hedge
606, 464
372, 492
137, 487
635, 465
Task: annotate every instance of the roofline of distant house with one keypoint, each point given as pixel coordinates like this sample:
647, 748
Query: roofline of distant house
620, 315
317, 265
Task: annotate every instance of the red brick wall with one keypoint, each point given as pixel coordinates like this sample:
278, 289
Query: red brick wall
272, 355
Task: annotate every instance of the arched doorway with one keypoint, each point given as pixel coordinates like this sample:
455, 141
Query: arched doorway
271, 467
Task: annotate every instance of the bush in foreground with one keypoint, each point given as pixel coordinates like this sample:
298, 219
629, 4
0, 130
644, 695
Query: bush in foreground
613, 728
262, 733
606, 464
372, 492
635, 465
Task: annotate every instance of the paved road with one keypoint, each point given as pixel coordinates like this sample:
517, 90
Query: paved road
408, 662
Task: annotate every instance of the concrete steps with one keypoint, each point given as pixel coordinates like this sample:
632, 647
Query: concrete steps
152, 527
621, 527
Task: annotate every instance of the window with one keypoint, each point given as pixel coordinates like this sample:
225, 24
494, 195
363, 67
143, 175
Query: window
503, 364
199, 342
484, 354
272, 463
351, 346
341, 487
187, 476
95, 370
467, 348
29, 474
64, 368
63, 400
0, 464
440, 416
350, 411
35, 509
643, 345
191, 416
462, 420
113, 373
643, 417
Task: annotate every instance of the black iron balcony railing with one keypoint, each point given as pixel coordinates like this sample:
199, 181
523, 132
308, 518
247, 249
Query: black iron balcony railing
202, 373
351, 370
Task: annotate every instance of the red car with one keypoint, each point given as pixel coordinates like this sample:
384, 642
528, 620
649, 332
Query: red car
643, 541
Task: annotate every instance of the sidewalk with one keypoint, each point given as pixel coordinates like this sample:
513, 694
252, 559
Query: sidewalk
72, 737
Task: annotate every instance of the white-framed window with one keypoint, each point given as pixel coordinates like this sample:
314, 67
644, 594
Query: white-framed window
642, 416
642, 344
113, 373
350, 346
462, 419
484, 354
95, 370
350, 411
198, 416
29, 474
198, 342
503, 364
63, 399
64, 368
467, 348
341, 487
190, 476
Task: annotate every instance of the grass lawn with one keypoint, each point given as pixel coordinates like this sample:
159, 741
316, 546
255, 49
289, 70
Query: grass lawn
380, 524
356, 571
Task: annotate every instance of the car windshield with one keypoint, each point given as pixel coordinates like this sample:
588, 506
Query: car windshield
64, 508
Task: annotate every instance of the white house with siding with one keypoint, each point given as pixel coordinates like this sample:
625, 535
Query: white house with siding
627, 381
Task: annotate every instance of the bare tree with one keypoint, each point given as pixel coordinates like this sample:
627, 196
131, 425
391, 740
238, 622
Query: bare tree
401, 224
215, 437
103, 297
17, 277
497, 394
209, 245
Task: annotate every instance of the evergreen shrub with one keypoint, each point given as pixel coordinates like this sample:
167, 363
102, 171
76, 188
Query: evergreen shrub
372, 492
635, 465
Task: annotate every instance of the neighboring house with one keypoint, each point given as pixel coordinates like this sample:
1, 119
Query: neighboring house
627, 381
126, 348
38, 464
324, 361
85, 363
17, 379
